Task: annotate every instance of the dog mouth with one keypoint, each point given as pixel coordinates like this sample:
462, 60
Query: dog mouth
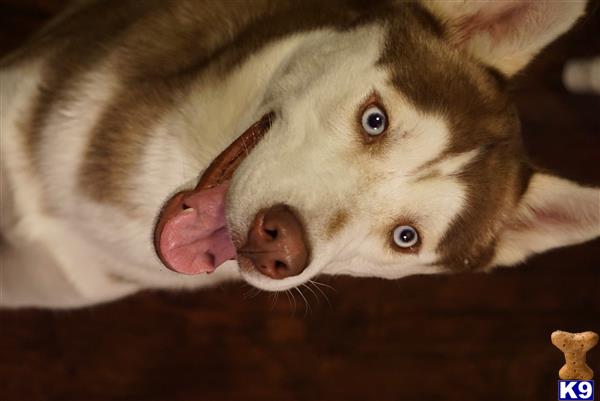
191, 235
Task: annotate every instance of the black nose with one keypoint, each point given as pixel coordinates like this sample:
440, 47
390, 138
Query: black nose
276, 244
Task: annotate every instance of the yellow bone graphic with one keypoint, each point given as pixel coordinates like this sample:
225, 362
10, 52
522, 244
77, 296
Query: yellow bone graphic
575, 346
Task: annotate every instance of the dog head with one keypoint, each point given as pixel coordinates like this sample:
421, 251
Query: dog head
392, 148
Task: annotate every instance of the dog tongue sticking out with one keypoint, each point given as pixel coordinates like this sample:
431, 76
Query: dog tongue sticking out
191, 235
197, 240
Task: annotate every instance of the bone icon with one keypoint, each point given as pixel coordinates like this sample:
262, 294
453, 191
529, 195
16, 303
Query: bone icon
575, 346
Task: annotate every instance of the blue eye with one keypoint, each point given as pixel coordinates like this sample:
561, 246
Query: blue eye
405, 236
374, 121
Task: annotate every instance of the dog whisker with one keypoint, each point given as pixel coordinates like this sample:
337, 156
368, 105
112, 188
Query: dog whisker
306, 303
292, 300
252, 292
323, 285
314, 283
274, 298
313, 292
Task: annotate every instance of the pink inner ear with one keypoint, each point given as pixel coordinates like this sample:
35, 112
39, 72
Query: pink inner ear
546, 216
499, 19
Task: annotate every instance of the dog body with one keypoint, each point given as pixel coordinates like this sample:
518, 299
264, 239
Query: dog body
118, 105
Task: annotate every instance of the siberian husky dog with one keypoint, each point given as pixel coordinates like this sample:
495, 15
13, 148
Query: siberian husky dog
273, 140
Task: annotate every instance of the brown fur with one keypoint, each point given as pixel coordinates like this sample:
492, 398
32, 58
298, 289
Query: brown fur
439, 79
337, 223
174, 44
163, 47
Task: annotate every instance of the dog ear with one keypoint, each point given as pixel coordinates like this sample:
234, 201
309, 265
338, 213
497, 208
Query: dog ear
553, 212
505, 34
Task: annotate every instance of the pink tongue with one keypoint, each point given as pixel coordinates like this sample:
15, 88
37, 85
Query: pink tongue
196, 240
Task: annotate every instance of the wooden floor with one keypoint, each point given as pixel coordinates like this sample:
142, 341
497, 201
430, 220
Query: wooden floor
465, 337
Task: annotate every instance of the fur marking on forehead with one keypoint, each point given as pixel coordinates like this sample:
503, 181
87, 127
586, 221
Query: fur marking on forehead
446, 165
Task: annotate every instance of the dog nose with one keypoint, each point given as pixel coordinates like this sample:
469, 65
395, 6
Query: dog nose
276, 243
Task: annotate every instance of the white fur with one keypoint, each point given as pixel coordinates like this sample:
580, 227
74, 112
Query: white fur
31, 228
319, 128
312, 158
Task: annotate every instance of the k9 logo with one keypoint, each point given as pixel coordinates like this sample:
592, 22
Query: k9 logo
576, 390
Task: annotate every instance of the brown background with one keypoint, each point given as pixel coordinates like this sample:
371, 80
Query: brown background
465, 337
